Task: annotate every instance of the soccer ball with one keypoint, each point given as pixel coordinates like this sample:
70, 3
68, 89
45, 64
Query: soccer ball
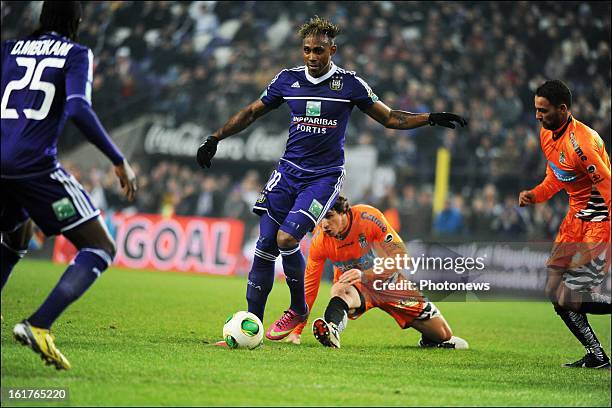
243, 330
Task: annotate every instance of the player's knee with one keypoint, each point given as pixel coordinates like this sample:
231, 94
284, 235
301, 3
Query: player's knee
285, 240
552, 291
19, 240
566, 303
337, 290
448, 333
111, 249
342, 291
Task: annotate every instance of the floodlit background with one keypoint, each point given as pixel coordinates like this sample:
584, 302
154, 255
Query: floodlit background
169, 73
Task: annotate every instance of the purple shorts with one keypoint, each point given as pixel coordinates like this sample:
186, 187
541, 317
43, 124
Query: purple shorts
298, 199
55, 201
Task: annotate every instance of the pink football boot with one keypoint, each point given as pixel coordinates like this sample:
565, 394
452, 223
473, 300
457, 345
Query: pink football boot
285, 325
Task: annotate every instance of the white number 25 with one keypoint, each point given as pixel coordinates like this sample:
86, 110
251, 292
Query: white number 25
32, 78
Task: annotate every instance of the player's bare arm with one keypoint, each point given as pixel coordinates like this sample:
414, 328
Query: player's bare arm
238, 122
397, 119
127, 179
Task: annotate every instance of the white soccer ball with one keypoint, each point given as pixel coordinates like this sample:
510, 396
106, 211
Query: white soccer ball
243, 330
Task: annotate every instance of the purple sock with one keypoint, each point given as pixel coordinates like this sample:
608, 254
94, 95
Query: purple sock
82, 272
8, 259
261, 276
294, 267
261, 279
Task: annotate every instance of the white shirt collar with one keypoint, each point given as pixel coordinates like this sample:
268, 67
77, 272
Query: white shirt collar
311, 79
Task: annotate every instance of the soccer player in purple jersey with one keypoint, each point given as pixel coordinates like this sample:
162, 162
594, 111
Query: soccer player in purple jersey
310, 174
46, 80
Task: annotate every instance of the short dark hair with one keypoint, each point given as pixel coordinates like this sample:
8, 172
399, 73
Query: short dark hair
341, 206
556, 92
319, 26
63, 17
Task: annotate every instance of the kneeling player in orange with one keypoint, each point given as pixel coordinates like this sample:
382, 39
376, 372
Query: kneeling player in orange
352, 237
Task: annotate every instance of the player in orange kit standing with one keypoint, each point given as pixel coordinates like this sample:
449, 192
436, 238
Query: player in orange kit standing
352, 237
580, 258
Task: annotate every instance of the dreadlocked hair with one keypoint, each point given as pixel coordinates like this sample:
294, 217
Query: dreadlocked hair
63, 17
318, 26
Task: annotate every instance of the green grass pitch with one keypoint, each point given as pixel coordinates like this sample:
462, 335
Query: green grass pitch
144, 338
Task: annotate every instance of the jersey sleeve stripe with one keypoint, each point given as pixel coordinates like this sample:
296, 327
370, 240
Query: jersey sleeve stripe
276, 77
365, 85
89, 85
78, 96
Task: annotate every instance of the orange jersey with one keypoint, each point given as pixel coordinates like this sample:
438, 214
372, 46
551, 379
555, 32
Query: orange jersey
577, 162
367, 226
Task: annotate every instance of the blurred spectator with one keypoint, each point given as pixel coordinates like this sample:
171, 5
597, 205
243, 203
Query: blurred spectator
449, 222
200, 61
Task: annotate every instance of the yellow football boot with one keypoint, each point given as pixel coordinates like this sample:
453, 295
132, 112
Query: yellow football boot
41, 341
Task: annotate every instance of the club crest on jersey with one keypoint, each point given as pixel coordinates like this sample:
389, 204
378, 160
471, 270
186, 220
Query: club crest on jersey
313, 108
335, 84
562, 157
261, 198
363, 242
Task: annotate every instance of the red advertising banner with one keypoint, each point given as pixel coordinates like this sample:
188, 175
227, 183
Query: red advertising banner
186, 244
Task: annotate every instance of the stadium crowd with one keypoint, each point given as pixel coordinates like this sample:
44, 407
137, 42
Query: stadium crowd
201, 61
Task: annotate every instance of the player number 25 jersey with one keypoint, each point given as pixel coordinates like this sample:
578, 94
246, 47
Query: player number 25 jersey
39, 74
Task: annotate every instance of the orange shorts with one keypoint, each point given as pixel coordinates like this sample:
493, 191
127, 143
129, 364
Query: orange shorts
581, 252
404, 306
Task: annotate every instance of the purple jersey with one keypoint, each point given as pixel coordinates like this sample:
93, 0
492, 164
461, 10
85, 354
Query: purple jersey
320, 111
40, 74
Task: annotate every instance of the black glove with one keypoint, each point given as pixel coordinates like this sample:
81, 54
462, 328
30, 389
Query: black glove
446, 119
206, 151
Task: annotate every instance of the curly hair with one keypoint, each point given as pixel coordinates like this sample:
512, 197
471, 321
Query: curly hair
319, 26
556, 92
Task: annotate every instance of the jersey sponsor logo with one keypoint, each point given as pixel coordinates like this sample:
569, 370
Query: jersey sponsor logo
336, 84
363, 242
370, 217
362, 263
63, 209
313, 108
596, 178
315, 208
577, 147
296, 84
315, 121
562, 175
42, 47
562, 157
